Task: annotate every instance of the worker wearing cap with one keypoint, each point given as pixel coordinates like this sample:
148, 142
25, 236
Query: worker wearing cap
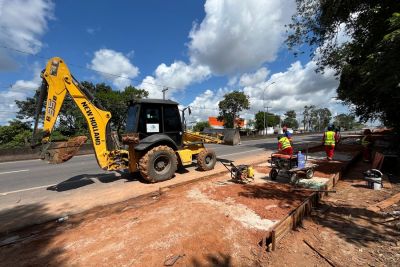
329, 140
287, 134
284, 145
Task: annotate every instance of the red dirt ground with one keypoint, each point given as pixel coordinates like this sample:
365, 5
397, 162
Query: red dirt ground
343, 230
214, 223
271, 201
186, 220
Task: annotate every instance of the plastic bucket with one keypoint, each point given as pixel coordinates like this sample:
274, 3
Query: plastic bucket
377, 185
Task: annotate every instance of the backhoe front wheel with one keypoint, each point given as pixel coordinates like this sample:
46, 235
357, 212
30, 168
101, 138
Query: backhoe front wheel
158, 164
206, 159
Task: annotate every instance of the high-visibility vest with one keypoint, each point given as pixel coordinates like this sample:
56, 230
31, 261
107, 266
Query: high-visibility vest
364, 141
330, 138
284, 142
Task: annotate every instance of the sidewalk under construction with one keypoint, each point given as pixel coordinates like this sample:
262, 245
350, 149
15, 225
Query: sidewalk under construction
211, 221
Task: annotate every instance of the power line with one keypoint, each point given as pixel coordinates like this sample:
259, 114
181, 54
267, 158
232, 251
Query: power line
82, 67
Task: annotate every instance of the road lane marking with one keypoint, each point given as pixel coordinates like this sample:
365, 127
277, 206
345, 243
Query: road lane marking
13, 171
26, 189
28, 160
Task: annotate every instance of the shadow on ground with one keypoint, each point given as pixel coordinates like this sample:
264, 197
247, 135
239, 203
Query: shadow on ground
358, 225
29, 246
88, 179
350, 219
279, 192
217, 259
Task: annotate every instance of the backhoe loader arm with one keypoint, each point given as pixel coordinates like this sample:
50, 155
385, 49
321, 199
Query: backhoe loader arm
59, 81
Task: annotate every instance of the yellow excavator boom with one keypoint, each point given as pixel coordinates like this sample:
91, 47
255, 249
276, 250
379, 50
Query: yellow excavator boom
58, 79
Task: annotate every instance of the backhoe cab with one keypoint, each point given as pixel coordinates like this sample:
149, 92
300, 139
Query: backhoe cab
157, 143
155, 138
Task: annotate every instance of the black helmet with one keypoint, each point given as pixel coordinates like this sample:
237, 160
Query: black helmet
331, 127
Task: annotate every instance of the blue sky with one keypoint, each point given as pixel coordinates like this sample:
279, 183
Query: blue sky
200, 49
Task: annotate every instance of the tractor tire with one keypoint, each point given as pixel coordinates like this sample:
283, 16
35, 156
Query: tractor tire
206, 160
158, 164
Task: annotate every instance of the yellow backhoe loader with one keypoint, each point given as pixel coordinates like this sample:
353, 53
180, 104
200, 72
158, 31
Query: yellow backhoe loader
155, 140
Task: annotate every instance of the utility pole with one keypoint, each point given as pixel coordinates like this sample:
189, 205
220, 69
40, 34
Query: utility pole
265, 115
264, 104
163, 92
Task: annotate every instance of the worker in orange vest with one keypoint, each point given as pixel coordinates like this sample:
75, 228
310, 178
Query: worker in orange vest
284, 145
329, 140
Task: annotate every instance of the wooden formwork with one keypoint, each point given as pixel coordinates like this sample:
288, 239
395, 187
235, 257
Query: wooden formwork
291, 221
296, 216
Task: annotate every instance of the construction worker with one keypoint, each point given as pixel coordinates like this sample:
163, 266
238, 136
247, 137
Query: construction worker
284, 145
366, 142
329, 140
287, 134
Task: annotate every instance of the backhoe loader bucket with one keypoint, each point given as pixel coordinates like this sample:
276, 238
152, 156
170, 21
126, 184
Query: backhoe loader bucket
231, 137
60, 152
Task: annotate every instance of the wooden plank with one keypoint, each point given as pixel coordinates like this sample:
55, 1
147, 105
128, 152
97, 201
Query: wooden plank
273, 237
385, 203
293, 219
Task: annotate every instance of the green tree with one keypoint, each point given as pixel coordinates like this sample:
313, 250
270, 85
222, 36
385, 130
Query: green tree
367, 62
346, 121
71, 122
17, 133
231, 105
117, 102
199, 126
307, 119
320, 118
270, 120
290, 120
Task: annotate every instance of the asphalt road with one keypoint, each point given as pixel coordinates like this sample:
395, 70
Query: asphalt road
31, 175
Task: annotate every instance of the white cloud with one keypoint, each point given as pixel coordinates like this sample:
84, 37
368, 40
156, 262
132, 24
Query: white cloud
294, 88
249, 79
239, 35
298, 86
22, 24
114, 66
20, 90
206, 105
176, 76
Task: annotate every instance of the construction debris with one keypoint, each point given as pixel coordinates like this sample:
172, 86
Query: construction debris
385, 203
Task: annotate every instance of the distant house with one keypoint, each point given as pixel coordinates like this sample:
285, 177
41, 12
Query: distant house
216, 124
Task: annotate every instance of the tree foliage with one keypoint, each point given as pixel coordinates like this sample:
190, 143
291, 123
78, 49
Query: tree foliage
320, 118
17, 133
366, 62
71, 121
290, 120
316, 118
231, 105
270, 120
199, 126
347, 122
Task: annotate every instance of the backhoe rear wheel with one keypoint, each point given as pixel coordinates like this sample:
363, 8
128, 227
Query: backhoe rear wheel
158, 164
206, 159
